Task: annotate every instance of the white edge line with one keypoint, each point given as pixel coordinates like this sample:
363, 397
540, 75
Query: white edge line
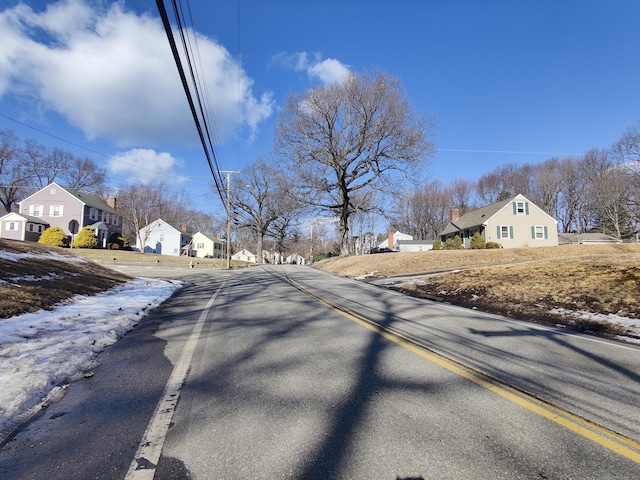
147, 456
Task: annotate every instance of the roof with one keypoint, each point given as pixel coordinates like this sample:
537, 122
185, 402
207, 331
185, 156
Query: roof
28, 218
587, 238
90, 200
476, 217
415, 242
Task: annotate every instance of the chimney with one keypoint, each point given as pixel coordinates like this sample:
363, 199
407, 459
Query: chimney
184, 227
111, 201
390, 242
455, 214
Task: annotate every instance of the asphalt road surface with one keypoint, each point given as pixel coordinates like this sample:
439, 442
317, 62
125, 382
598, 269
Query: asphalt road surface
285, 372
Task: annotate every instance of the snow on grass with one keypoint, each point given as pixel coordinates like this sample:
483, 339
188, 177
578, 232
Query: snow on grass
39, 351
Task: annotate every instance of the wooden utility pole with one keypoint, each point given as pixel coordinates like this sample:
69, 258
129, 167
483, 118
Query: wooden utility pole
228, 172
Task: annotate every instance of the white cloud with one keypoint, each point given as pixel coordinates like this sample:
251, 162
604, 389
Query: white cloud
145, 166
327, 71
111, 74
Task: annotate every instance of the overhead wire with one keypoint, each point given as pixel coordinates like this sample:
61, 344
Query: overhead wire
199, 119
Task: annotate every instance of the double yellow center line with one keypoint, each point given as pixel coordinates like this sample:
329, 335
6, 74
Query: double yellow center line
589, 430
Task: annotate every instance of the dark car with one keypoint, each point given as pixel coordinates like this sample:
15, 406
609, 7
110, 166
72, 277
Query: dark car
381, 250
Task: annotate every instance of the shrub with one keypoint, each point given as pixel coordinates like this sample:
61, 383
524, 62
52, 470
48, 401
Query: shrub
118, 242
457, 243
477, 242
493, 245
55, 237
86, 239
437, 245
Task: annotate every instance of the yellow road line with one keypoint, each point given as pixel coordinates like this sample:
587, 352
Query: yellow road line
602, 436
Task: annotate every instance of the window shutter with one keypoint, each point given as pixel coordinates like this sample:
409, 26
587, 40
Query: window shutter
546, 233
498, 230
533, 232
515, 208
511, 233
526, 208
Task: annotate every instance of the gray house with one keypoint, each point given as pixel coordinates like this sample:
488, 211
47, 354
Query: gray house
15, 226
59, 206
515, 222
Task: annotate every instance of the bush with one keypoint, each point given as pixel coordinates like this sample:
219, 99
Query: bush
457, 243
118, 242
437, 245
55, 237
477, 242
493, 245
86, 239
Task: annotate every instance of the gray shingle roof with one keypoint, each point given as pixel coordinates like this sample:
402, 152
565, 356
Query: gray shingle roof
475, 218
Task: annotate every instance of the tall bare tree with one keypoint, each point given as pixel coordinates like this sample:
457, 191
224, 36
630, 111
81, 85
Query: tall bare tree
354, 136
15, 174
82, 173
140, 205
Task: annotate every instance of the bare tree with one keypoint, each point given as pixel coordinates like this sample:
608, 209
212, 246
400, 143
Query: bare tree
356, 136
547, 185
572, 195
423, 213
81, 173
139, 206
15, 176
462, 194
504, 182
609, 189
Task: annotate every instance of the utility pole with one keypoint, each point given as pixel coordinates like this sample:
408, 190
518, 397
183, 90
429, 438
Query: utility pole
228, 172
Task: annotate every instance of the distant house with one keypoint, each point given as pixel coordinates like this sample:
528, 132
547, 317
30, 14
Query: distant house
391, 241
414, 245
59, 206
16, 226
512, 223
244, 256
204, 246
586, 238
163, 239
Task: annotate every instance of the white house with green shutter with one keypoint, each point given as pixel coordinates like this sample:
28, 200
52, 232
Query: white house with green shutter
515, 222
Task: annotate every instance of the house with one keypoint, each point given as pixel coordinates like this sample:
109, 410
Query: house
515, 222
202, 246
414, 245
59, 207
244, 256
164, 239
15, 226
395, 237
586, 238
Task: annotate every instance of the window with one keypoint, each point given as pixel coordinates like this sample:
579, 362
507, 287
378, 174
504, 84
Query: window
52, 191
12, 226
31, 227
539, 232
505, 231
200, 246
521, 208
55, 210
35, 210
93, 214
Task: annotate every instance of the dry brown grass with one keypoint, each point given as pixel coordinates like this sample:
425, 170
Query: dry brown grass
33, 283
525, 282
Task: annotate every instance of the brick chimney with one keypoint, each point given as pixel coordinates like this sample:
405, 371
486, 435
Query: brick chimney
390, 242
455, 214
111, 201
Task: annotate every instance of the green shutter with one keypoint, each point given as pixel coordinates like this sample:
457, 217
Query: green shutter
526, 208
511, 233
533, 232
546, 233
515, 208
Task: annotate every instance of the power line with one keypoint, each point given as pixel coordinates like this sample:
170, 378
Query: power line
199, 119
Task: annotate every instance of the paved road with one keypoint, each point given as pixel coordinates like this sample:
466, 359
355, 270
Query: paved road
292, 373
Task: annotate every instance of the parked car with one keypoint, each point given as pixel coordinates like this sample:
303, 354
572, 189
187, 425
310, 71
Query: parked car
381, 250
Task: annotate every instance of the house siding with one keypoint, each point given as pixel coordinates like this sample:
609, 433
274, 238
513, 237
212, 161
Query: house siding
57, 206
521, 227
163, 239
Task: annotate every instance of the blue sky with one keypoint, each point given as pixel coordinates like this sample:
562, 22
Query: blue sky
504, 81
